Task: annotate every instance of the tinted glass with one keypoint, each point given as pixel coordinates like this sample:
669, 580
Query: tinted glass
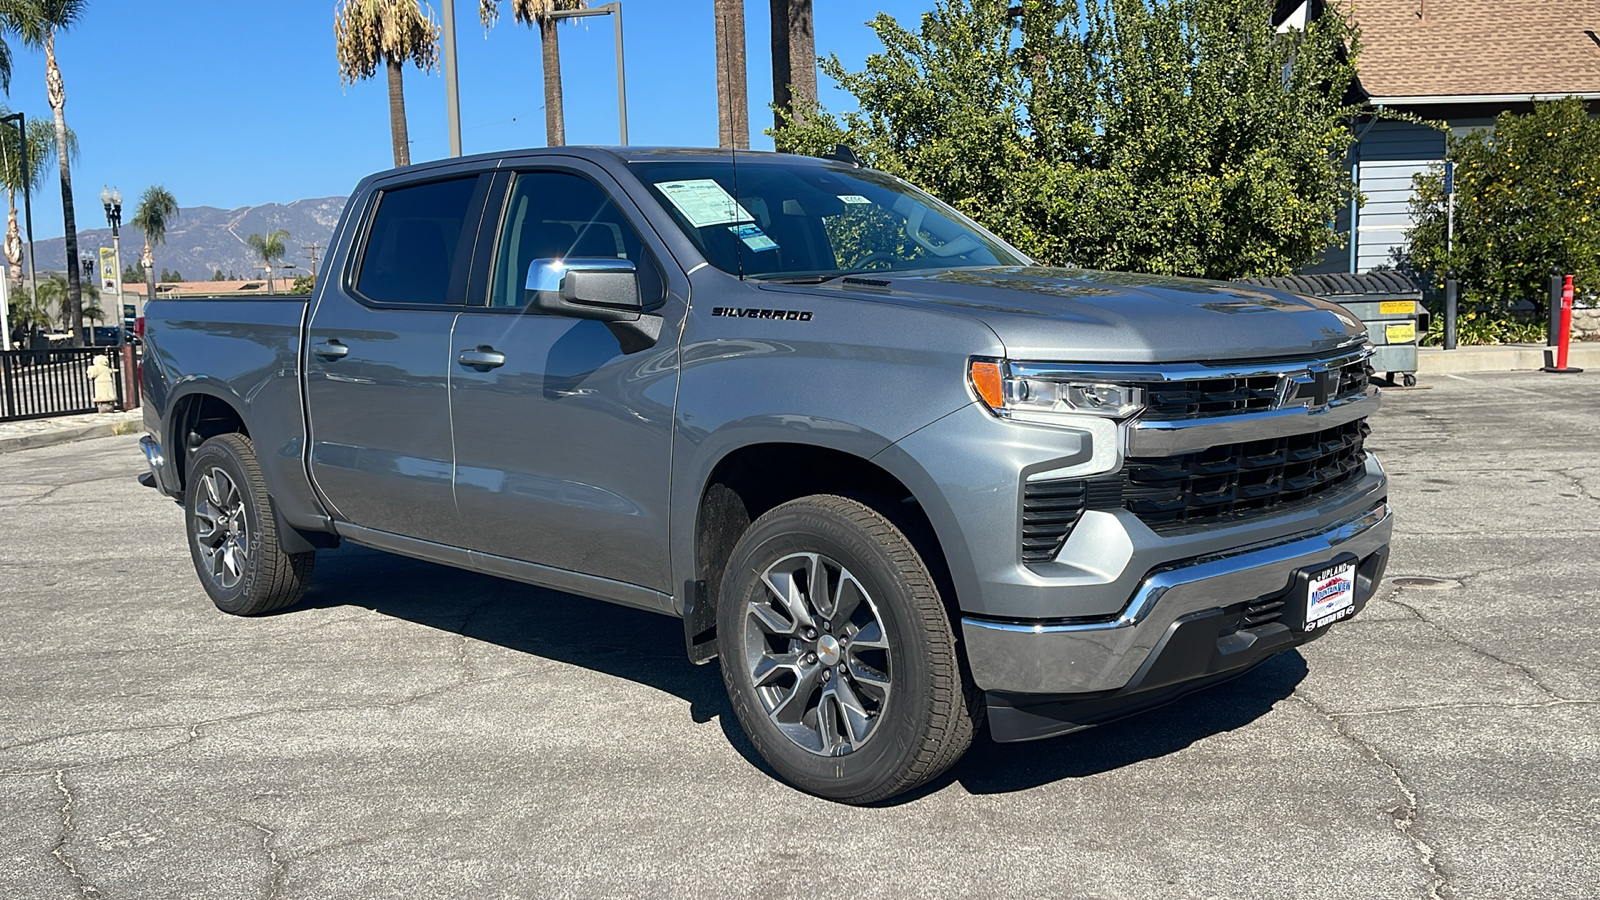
411, 250
558, 215
799, 218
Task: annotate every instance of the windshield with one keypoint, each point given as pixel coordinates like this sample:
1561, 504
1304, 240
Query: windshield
796, 219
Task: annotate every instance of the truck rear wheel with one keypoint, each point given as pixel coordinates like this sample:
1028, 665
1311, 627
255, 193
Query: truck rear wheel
838, 655
233, 534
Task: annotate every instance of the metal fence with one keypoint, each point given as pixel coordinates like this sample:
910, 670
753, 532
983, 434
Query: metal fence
36, 384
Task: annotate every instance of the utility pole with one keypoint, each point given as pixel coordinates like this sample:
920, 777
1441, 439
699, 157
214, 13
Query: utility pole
452, 89
313, 247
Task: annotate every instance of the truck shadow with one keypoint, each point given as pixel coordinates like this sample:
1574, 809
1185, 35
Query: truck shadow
647, 648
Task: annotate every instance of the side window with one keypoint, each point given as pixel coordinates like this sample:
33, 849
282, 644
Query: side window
410, 254
558, 215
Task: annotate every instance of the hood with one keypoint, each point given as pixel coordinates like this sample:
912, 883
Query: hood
1089, 316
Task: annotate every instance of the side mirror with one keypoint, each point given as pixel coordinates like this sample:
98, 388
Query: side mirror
604, 289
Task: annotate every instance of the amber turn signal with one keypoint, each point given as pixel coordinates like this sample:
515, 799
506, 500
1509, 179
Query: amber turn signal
986, 381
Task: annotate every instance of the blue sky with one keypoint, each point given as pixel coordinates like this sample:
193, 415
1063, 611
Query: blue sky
231, 104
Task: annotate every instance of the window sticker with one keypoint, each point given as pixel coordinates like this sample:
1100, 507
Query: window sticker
703, 202
753, 237
853, 198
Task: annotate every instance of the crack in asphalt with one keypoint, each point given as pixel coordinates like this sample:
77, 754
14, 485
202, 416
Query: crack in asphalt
59, 851
1468, 645
205, 642
194, 729
1577, 482
280, 867
1405, 816
1464, 704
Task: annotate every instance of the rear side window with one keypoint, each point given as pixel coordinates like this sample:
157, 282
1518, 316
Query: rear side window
410, 255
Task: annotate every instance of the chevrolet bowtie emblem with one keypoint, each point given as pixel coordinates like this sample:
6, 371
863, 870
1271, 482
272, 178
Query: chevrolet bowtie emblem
1311, 389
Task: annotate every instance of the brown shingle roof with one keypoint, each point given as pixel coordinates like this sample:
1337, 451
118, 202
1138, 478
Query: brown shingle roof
1433, 48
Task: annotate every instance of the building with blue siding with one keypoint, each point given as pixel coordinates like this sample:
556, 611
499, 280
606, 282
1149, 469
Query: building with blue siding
1455, 63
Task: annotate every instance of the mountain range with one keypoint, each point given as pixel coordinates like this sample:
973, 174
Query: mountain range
204, 239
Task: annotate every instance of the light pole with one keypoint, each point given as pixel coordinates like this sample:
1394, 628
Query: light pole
27, 200
112, 200
452, 90
614, 10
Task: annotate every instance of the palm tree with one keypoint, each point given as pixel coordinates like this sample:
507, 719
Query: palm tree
269, 247
55, 291
532, 12
37, 22
369, 32
733, 106
794, 60
41, 156
157, 209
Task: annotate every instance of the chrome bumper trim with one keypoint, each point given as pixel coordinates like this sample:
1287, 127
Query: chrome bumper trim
152, 454
1169, 438
1080, 657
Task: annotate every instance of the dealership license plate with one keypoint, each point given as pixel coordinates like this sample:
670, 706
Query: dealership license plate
1330, 595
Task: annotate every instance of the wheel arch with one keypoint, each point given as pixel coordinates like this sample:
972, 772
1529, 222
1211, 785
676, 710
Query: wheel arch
200, 410
749, 480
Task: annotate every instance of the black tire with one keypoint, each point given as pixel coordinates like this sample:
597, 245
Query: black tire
242, 566
928, 712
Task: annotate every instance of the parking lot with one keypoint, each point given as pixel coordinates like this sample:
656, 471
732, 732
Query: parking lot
416, 731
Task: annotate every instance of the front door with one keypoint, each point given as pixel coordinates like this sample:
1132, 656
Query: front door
562, 441
377, 361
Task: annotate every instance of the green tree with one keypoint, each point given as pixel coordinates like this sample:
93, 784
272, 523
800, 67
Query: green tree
41, 146
1527, 199
218, 276
132, 273
369, 33
1180, 137
56, 292
37, 23
156, 210
537, 12
303, 284
268, 247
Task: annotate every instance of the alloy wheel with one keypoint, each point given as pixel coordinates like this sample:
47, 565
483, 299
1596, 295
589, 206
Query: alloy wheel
818, 654
221, 528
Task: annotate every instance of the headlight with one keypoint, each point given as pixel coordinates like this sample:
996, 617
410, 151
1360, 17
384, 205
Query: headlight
1033, 399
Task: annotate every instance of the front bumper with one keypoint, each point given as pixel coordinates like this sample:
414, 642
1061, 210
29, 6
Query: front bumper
1184, 628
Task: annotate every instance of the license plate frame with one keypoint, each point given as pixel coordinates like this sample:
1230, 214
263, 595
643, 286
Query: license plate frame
1326, 594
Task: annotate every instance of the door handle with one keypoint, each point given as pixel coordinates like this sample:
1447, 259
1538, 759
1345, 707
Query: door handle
331, 350
482, 357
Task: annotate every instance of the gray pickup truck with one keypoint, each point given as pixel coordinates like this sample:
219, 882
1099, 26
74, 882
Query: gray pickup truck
898, 477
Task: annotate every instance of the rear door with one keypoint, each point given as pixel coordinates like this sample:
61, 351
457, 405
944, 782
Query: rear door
563, 447
377, 357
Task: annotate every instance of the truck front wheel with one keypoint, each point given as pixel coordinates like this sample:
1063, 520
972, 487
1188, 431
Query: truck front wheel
838, 655
233, 536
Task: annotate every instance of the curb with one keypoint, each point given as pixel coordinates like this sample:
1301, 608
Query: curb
67, 435
1500, 358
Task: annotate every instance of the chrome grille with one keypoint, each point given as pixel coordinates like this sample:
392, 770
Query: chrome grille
1195, 398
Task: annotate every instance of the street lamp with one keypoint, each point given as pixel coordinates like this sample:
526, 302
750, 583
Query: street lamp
112, 200
614, 10
452, 91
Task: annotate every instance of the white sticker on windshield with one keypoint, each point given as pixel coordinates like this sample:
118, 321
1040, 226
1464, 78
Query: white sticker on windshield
754, 237
853, 198
703, 202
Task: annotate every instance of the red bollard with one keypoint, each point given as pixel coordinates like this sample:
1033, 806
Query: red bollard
1564, 341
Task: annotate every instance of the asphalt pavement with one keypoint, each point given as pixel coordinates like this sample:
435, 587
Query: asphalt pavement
416, 731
